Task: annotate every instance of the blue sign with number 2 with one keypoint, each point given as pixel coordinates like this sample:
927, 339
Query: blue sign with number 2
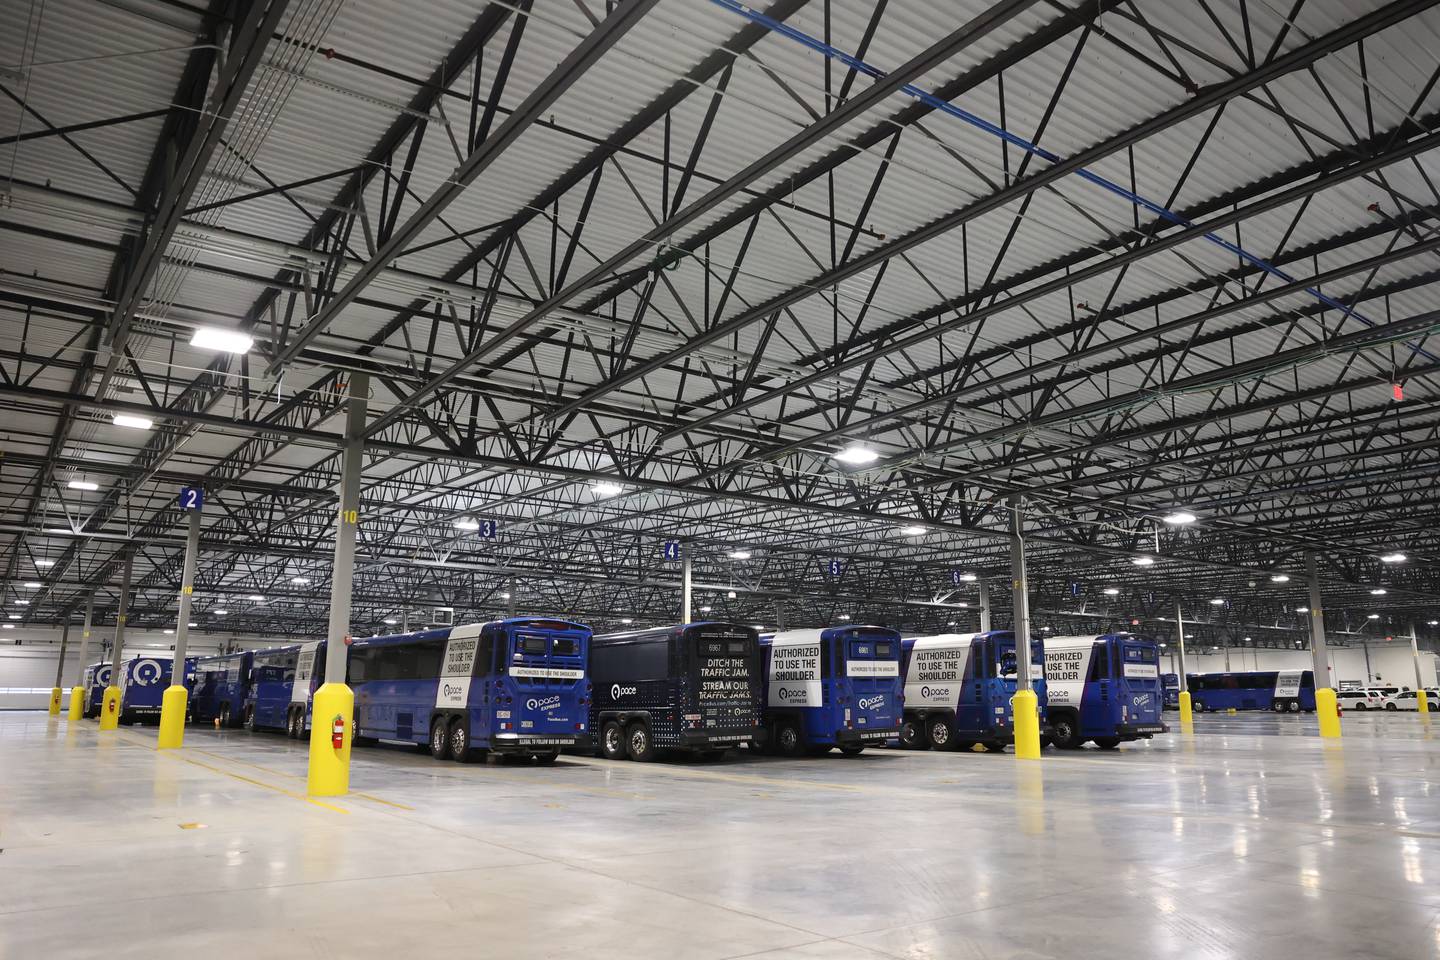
192, 498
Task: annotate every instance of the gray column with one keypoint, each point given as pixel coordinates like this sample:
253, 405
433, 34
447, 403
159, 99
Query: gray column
84, 645
1180, 641
1415, 657
347, 522
780, 615
685, 583
984, 607
187, 587
1318, 653
120, 617
65, 642
1021, 602
514, 597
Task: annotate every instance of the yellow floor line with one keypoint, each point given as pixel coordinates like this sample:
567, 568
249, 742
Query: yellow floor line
296, 776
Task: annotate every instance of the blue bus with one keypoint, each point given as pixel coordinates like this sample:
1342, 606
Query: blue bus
1279, 690
513, 687
695, 687
1103, 688
281, 682
97, 678
959, 688
221, 684
1171, 684
143, 682
836, 687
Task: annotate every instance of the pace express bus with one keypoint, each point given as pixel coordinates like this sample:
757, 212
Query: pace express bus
959, 687
282, 680
836, 687
143, 682
695, 686
513, 687
221, 684
1103, 688
1278, 690
97, 678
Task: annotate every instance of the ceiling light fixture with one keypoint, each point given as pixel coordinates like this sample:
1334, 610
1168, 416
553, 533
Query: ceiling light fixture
1112, 592
1393, 558
704, 609
467, 524
856, 455
844, 616
626, 620
1378, 592
1142, 561
300, 581
730, 595
1373, 616
968, 578
739, 554
83, 485
22, 603
220, 613
34, 585
1179, 518
607, 489
134, 423
255, 598
914, 530
1217, 602
8, 626
1302, 609
44, 563
1279, 578
218, 338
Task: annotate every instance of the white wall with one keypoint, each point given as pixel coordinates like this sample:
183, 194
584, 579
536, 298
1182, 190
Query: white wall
28, 657
1390, 662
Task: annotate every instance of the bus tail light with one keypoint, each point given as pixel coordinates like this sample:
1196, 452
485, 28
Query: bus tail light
579, 726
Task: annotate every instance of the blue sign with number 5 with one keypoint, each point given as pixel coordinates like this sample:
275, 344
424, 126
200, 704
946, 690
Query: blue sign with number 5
192, 498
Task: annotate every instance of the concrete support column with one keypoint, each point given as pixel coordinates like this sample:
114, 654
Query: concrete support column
78, 692
59, 670
514, 597
175, 701
110, 704
1422, 702
686, 584
1027, 705
1186, 717
1325, 707
334, 703
984, 607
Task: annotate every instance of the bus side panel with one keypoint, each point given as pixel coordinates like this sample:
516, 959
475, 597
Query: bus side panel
1100, 705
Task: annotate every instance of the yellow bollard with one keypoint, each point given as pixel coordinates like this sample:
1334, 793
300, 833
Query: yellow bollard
329, 773
1187, 718
77, 703
110, 709
1422, 703
172, 718
1326, 711
1231, 711
54, 701
1027, 724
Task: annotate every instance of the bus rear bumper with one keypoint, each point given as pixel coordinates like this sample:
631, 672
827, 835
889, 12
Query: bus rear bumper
1137, 730
530, 743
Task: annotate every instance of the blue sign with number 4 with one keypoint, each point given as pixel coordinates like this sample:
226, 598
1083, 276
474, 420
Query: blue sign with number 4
672, 550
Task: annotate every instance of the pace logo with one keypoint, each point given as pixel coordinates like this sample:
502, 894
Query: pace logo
453, 690
617, 691
791, 693
934, 692
145, 673
1141, 699
870, 703
543, 703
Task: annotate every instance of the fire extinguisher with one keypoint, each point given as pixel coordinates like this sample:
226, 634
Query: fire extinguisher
337, 732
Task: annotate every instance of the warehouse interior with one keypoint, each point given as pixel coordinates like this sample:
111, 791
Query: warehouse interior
327, 321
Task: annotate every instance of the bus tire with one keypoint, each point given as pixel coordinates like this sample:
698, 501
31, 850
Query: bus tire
938, 735
547, 757
1197, 707
225, 715
440, 739
1294, 706
1278, 706
1067, 732
912, 737
787, 739
1107, 743
250, 719
638, 743
459, 740
612, 741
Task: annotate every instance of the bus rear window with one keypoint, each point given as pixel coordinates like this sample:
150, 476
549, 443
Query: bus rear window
563, 647
535, 645
737, 647
884, 650
1139, 654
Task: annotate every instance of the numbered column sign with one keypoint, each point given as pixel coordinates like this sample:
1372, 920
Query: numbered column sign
672, 550
837, 567
957, 577
192, 498
486, 529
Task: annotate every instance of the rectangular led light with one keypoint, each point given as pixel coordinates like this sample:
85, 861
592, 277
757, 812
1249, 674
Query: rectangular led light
226, 341
136, 423
83, 485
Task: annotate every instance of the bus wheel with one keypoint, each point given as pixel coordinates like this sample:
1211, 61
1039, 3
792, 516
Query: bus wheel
1197, 707
1067, 733
549, 756
853, 750
937, 732
612, 741
787, 739
638, 743
225, 715
460, 741
1294, 706
439, 739
250, 719
1278, 706
910, 737
1107, 743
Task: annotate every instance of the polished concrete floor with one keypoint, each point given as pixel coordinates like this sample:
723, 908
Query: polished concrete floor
1249, 839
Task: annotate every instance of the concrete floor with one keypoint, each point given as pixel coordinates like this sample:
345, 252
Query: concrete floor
1247, 840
